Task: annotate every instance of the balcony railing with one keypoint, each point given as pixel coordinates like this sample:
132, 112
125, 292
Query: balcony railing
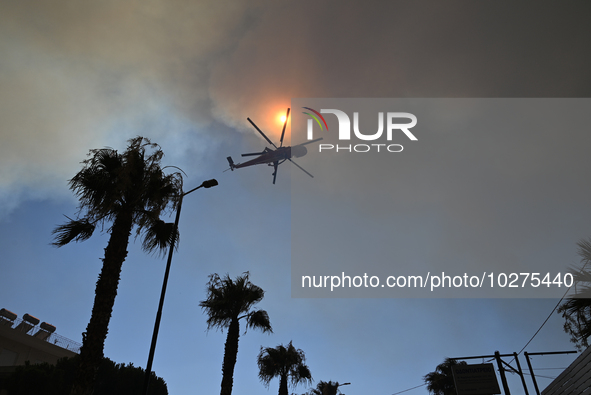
27, 327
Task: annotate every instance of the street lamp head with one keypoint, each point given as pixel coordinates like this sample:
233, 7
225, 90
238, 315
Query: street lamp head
209, 183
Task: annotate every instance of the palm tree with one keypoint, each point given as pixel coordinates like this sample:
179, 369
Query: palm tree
227, 303
441, 381
577, 311
125, 190
285, 363
326, 388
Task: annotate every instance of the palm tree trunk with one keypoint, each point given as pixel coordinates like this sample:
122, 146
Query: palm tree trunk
283, 385
230, 354
93, 340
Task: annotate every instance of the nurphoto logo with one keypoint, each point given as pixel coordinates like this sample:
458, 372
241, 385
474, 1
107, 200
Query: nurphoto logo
393, 125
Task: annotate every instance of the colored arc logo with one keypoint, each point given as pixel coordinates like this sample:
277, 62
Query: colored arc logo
316, 117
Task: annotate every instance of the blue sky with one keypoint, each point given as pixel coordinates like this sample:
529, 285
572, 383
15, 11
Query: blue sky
75, 77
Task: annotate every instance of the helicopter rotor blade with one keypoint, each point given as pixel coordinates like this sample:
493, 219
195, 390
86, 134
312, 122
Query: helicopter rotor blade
311, 141
275, 165
253, 154
301, 168
284, 125
261, 132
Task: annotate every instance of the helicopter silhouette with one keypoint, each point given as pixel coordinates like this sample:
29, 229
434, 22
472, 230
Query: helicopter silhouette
274, 157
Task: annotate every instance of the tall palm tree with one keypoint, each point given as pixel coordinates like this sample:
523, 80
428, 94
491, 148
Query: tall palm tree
441, 381
126, 190
228, 302
285, 363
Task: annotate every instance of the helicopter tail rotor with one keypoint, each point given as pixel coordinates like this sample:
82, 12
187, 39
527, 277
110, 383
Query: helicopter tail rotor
231, 162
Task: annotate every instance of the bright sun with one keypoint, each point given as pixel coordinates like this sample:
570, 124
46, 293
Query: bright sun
282, 118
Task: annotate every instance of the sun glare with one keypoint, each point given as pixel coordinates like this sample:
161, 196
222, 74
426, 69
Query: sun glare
277, 120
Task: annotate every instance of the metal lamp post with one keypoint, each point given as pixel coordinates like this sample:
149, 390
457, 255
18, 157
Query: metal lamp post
205, 184
340, 385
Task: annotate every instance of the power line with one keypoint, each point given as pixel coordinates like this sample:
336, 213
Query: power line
546, 320
526, 344
550, 368
587, 261
544, 323
413, 388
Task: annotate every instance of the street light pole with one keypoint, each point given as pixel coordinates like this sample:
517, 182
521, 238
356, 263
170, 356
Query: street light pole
340, 385
205, 184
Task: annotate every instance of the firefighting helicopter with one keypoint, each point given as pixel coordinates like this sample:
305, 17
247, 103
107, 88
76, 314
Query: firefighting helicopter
274, 157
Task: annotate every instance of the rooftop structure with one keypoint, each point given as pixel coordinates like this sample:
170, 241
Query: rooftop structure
26, 340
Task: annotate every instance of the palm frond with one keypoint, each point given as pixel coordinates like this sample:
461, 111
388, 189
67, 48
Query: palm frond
96, 185
159, 237
577, 315
259, 319
73, 230
301, 375
576, 310
584, 251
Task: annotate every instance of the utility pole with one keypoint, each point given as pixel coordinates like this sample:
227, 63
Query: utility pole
498, 357
502, 372
531, 370
520, 373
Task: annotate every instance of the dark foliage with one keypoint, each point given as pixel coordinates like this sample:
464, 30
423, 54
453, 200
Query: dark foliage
287, 363
326, 388
441, 381
576, 311
112, 379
